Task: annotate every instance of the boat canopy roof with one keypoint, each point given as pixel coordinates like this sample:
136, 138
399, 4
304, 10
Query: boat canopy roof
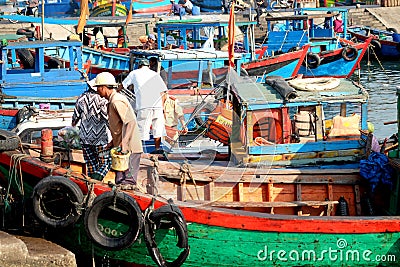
179, 24
258, 96
177, 54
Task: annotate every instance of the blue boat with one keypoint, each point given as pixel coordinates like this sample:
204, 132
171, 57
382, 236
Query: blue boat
330, 53
28, 80
312, 122
385, 43
187, 35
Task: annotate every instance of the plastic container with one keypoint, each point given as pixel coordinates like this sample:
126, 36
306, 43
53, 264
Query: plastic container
45, 106
119, 162
196, 11
396, 37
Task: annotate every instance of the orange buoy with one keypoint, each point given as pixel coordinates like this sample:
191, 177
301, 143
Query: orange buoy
47, 145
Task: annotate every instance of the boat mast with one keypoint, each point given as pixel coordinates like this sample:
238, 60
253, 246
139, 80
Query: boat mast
42, 33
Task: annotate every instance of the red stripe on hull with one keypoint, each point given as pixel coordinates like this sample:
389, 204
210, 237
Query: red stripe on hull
231, 218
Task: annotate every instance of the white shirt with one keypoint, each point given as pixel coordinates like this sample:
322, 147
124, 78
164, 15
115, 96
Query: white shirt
188, 4
148, 86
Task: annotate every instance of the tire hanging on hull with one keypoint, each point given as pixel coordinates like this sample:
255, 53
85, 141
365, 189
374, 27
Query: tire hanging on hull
56, 201
114, 221
349, 53
175, 219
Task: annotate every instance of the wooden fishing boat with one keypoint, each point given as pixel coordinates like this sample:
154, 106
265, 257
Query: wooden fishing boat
255, 61
95, 60
109, 9
28, 80
330, 53
299, 216
385, 44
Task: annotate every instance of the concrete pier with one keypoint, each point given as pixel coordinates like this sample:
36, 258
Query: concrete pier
21, 251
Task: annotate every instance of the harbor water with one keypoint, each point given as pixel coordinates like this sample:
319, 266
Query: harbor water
380, 79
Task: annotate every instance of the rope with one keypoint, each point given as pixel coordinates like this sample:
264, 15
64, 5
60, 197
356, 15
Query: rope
284, 40
15, 172
304, 33
155, 177
185, 172
379, 62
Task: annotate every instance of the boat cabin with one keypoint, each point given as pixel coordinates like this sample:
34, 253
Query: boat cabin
282, 126
208, 35
28, 79
308, 25
188, 68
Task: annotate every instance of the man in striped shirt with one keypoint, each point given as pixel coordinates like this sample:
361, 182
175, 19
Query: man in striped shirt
91, 111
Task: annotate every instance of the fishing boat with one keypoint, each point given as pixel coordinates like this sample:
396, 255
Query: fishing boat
255, 61
330, 53
108, 8
385, 43
303, 215
28, 80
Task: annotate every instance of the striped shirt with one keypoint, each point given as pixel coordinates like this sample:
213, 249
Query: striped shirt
91, 110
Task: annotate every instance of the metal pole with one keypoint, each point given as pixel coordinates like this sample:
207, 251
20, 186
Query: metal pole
43, 20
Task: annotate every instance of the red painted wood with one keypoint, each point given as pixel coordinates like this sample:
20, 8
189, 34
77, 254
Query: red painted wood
9, 112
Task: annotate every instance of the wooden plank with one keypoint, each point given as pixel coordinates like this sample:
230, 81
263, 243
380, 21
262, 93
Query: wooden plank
179, 193
357, 197
209, 191
330, 191
298, 198
270, 192
237, 204
240, 192
301, 148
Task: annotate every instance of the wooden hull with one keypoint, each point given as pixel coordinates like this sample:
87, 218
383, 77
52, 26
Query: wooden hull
255, 237
107, 10
334, 65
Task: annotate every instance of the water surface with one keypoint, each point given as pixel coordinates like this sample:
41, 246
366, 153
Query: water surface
380, 79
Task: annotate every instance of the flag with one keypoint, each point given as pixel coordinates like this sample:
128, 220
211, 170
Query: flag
83, 16
231, 36
129, 17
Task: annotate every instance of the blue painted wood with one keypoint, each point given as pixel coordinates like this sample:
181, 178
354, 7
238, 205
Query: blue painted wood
319, 146
24, 86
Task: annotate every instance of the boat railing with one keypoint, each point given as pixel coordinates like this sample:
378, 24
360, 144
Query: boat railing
31, 58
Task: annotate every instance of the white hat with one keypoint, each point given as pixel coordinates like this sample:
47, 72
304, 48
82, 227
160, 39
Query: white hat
105, 78
92, 83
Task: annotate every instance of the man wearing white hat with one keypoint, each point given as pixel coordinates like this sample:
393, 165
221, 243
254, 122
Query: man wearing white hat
91, 111
123, 126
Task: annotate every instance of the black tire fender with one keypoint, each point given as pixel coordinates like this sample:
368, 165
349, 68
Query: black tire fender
375, 45
312, 60
175, 218
56, 201
349, 53
391, 30
26, 58
8, 140
119, 206
54, 63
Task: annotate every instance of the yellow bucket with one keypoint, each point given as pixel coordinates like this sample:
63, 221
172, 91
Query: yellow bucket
119, 162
